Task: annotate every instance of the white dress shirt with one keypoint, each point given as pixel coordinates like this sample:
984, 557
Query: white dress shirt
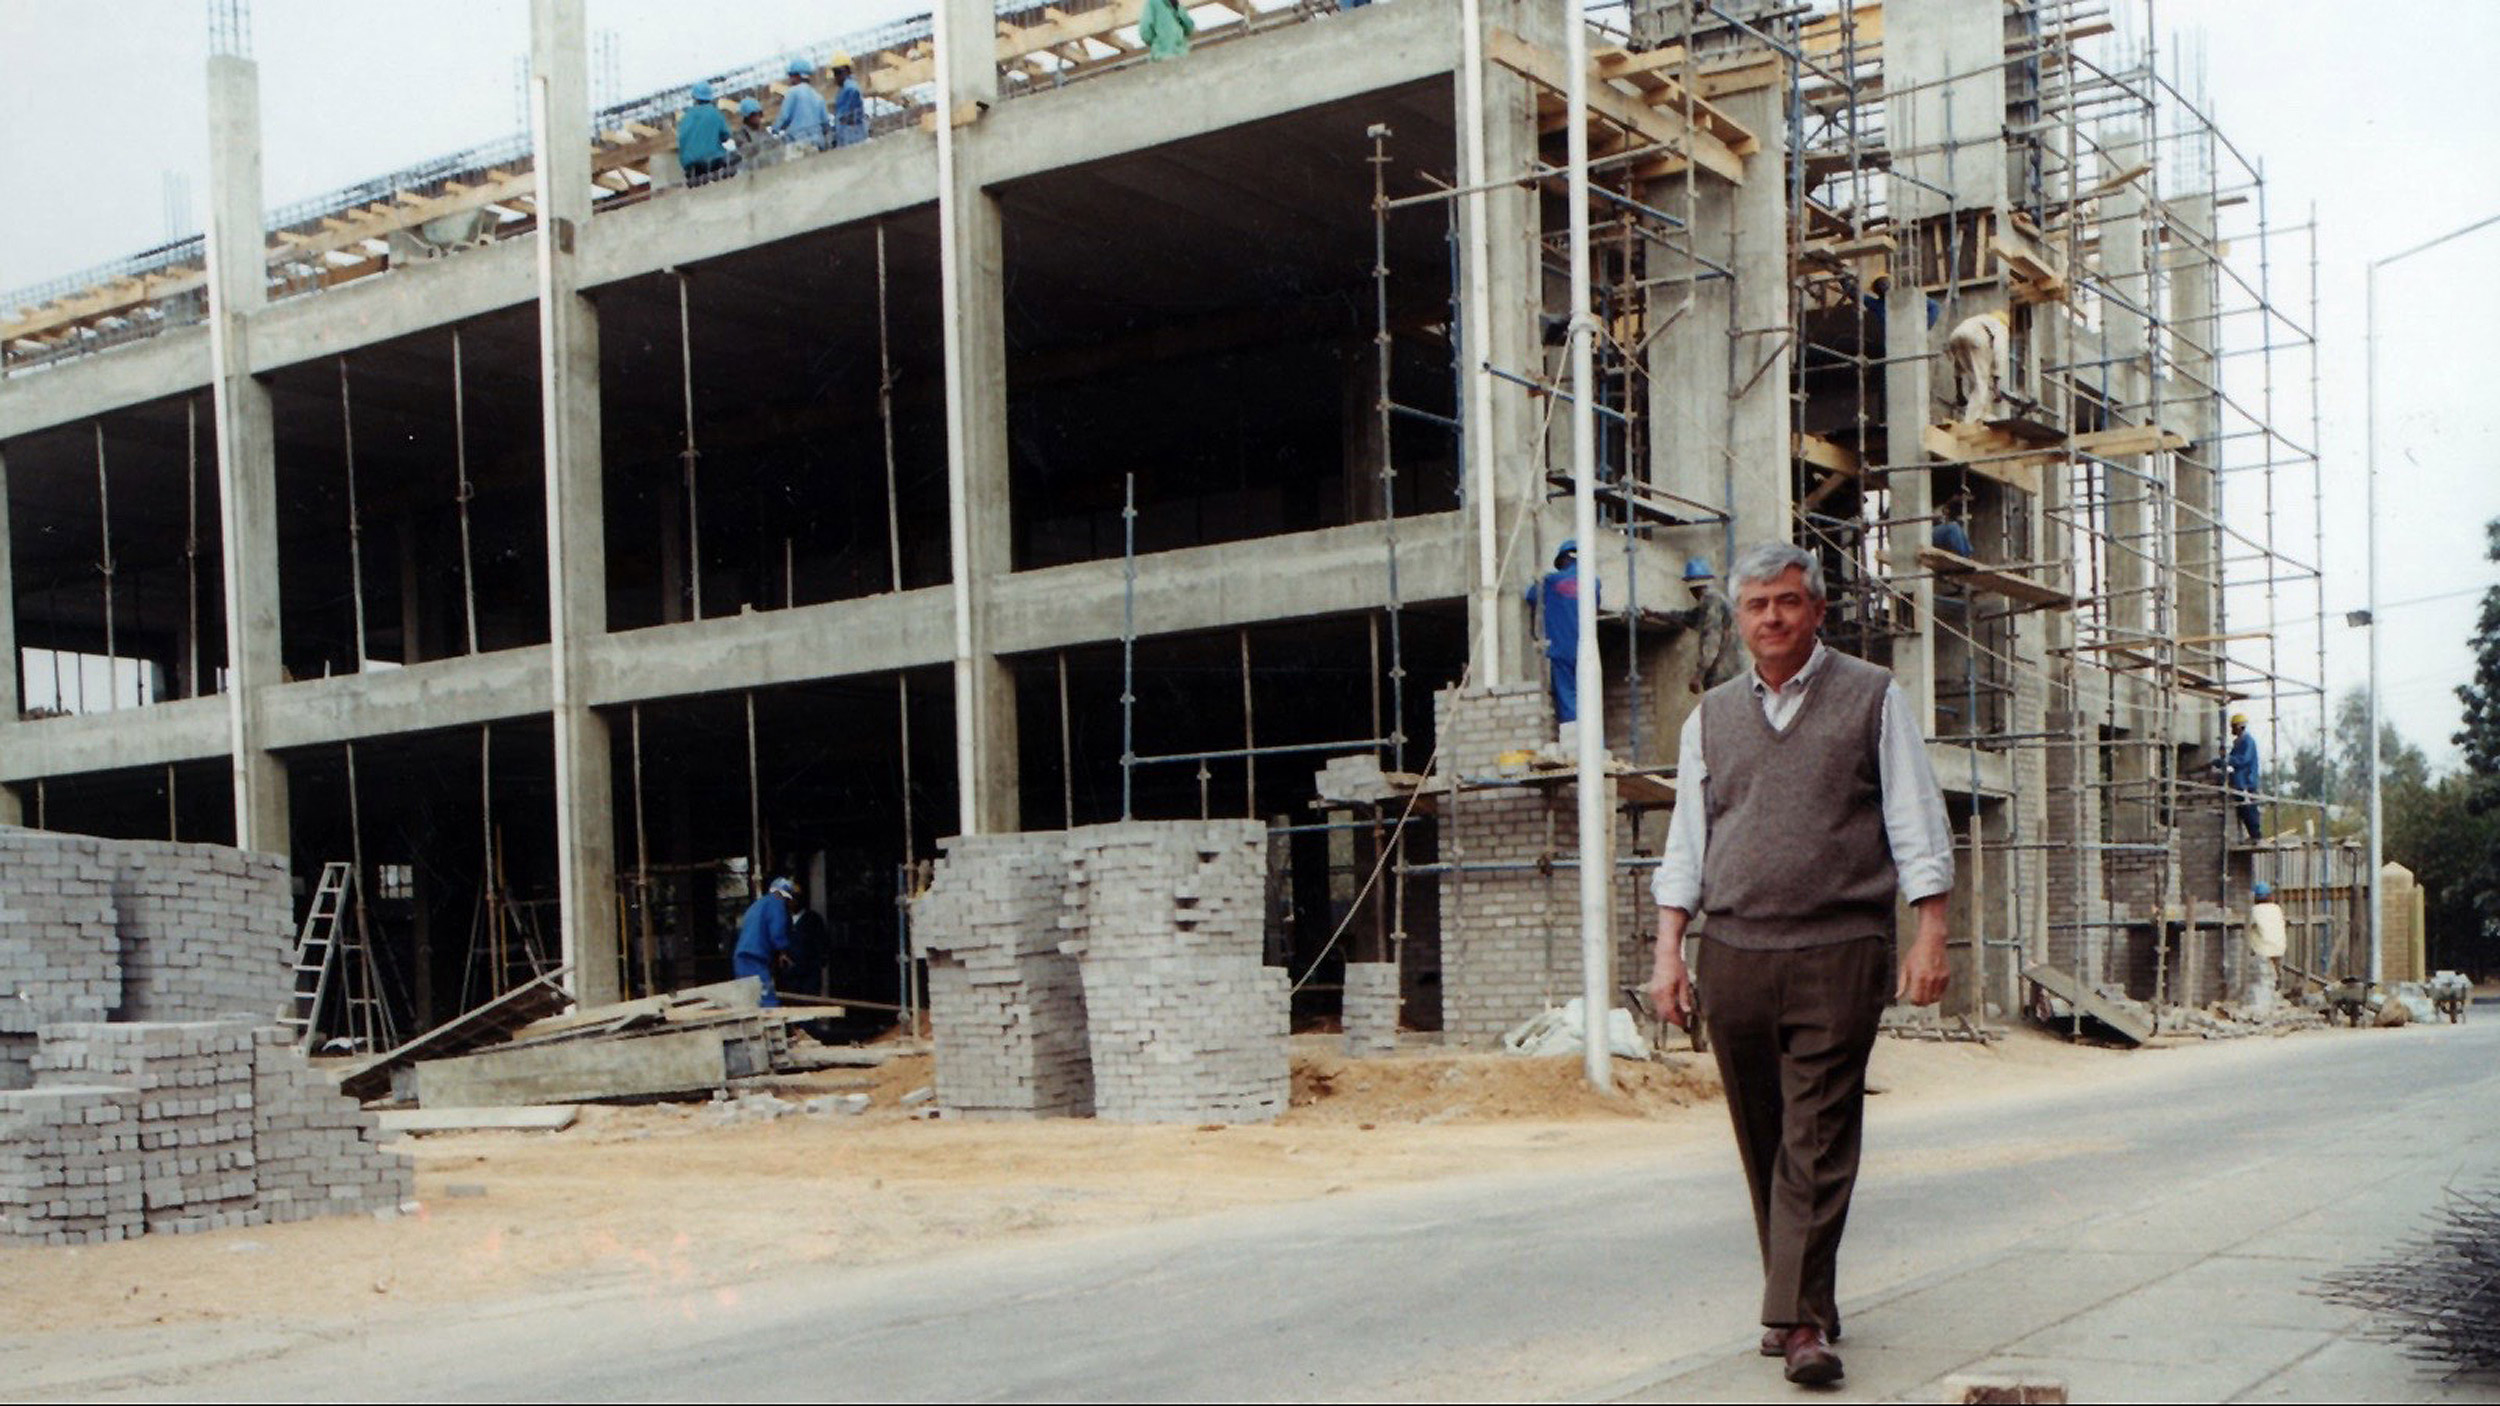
1914, 818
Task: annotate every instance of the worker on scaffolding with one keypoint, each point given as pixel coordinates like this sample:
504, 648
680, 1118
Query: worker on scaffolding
1557, 602
850, 109
764, 935
749, 136
1166, 29
703, 138
2240, 771
1951, 531
1716, 657
1980, 348
802, 117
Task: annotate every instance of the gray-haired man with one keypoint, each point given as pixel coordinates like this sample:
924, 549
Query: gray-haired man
1805, 804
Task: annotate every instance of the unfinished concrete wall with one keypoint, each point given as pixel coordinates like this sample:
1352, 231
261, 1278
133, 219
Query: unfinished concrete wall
1185, 1020
1006, 1006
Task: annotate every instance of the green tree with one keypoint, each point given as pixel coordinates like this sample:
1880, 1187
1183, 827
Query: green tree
2478, 908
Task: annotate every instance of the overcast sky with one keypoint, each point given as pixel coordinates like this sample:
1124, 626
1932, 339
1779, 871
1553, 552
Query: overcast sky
2387, 127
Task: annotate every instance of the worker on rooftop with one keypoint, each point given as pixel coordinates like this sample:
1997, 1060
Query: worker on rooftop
1557, 602
2240, 774
764, 937
1979, 348
850, 110
1166, 29
1813, 813
1716, 657
802, 117
703, 138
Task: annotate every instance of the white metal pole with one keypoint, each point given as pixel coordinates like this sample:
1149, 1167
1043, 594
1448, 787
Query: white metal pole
2369, 457
1596, 834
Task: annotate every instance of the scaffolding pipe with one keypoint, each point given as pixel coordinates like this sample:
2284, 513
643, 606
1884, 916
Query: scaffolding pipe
1596, 831
104, 568
465, 491
689, 456
1473, 330
191, 541
355, 514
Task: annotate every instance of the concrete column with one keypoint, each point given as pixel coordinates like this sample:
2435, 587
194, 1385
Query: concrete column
2122, 349
1758, 415
1501, 292
577, 575
11, 812
2194, 410
971, 232
247, 466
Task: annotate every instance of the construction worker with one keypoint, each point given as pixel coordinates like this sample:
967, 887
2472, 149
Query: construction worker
1949, 533
850, 110
1557, 602
2269, 937
1166, 29
1716, 657
703, 139
1978, 348
802, 117
764, 937
2240, 774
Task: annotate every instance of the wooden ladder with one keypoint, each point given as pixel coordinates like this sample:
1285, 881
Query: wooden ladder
316, 953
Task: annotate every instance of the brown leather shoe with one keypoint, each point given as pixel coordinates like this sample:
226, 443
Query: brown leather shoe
1775, 1340
1811, 1361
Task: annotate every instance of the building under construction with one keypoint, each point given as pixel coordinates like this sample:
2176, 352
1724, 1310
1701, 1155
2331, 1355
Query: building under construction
570, 548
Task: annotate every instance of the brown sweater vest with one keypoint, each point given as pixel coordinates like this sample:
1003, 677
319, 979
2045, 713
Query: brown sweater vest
1797, 853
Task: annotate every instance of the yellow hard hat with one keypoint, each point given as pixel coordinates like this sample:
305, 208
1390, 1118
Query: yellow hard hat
841, 58
2003, 315
2239, 719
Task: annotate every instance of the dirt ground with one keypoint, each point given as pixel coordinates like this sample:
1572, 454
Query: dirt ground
686, 1201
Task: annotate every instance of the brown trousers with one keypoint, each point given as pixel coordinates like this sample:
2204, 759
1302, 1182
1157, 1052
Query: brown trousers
1792, 1032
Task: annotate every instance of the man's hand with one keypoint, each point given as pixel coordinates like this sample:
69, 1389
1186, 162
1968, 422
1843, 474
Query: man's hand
1925, 974
1670, 981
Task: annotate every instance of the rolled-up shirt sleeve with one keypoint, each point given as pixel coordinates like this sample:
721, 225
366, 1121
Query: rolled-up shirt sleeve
1914, 818
1678, 881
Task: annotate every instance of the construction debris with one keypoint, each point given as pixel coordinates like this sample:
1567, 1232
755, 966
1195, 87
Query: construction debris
497, 1020
542, 1118
676, 1045
2437, 1295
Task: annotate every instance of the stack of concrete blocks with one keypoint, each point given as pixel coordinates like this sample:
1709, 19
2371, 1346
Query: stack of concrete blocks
316, 1149
194, 1082
1185, 1020
205, 931
1006, 1005
1510, 944
1372, 1000
69, 1165
60, 958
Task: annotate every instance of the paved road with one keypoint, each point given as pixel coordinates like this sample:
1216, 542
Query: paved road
2149, 1238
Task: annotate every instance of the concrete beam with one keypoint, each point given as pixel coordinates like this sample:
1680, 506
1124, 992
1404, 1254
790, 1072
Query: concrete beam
168, 363
1224, 86
798, 196
771, 648
1332, 571
411, 298
442, 693
188, 730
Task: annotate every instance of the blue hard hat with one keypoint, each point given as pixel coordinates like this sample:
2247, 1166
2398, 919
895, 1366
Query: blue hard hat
785, 888
749, 107
703, 92
1697, 569
1569, 548
801, 68
2262, 889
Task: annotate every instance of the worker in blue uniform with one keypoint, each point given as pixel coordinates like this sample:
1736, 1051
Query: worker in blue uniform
802, 118
850, 109
703, 138
764, 937
2240, 773
1557, 602
1950, 532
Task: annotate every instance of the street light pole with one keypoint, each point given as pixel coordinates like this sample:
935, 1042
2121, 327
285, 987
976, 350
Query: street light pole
2369, 438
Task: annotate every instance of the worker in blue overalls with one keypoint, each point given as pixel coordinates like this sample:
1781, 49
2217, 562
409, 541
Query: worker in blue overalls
850, 109
2239, 773
1557, 602
764, 937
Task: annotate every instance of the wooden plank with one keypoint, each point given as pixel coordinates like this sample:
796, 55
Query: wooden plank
2133, 1025
1991, 453
479, 1025
1979, 576
1823, 454
1607, 102
745, 993
2125, 440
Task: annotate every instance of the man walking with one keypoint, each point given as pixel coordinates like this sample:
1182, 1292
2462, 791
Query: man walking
1805, 803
